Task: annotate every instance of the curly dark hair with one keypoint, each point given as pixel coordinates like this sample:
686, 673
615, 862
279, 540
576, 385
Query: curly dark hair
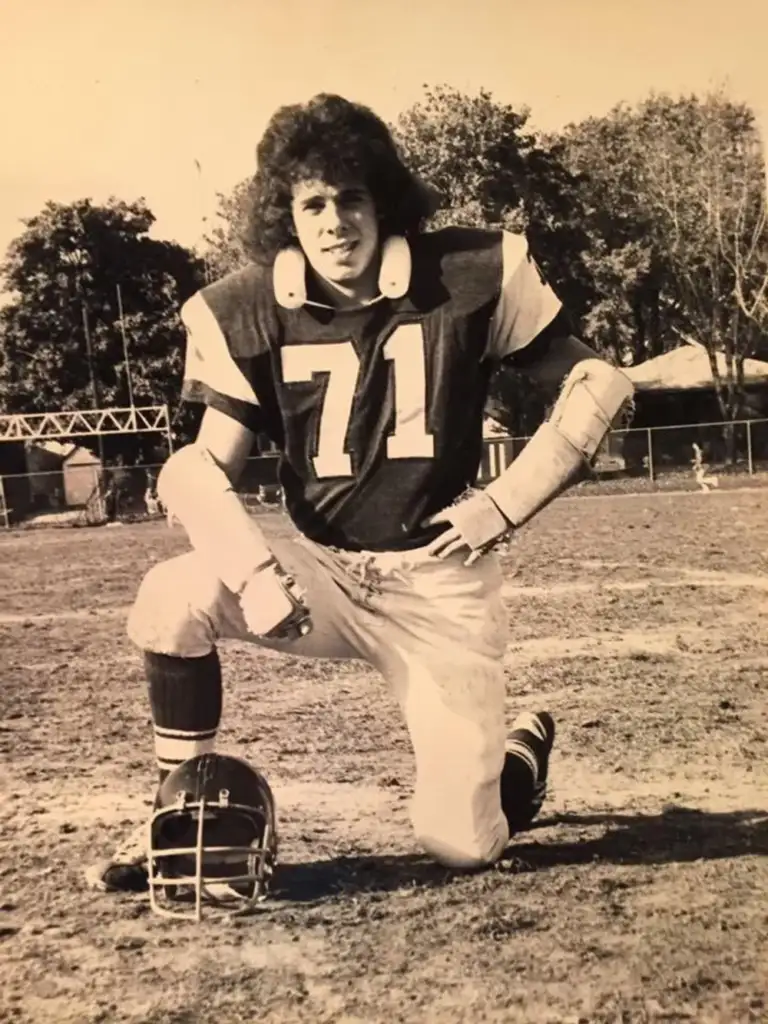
334, 140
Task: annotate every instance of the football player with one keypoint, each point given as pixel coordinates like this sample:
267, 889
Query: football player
363, 345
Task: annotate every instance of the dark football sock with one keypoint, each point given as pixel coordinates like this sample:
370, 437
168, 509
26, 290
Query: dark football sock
185, 697
525, 770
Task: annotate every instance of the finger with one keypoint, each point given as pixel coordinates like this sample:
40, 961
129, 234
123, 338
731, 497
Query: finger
438, 517
440, 542
435, 548
473, 557
451, 548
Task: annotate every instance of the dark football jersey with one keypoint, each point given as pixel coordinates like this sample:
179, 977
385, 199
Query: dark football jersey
377, 412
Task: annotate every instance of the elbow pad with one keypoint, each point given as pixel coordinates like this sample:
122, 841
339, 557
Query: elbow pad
593, 397
196, 491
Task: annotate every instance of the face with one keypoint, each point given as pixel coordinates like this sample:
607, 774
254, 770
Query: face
338, 231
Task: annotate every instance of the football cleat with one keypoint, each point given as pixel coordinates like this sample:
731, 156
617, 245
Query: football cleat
526, 768
127, 870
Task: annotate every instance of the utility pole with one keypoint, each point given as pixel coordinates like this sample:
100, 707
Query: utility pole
125, 346
89, 356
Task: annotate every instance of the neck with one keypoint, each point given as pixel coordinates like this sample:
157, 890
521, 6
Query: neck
359, 292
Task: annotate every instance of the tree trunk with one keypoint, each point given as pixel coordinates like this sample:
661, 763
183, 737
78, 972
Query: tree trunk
729, 443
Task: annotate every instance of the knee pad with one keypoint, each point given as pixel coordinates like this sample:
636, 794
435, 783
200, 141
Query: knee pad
198, 493
463, 848
171, 612
463, 856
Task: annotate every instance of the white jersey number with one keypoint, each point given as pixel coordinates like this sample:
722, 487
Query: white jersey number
339, 361
405, 349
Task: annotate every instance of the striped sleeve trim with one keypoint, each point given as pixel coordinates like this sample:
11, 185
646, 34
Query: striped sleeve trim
208, 359
250, 416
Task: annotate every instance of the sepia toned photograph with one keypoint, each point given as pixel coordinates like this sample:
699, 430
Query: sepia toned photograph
383, 512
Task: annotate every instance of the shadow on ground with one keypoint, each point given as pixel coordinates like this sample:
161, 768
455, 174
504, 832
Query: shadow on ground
677, 835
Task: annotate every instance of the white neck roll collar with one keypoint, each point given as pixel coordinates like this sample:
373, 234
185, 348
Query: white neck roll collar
289, 275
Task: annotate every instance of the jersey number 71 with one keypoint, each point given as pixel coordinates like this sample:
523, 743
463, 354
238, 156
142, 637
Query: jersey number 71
338, 359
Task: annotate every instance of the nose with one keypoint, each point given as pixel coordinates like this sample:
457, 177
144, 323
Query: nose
333, 219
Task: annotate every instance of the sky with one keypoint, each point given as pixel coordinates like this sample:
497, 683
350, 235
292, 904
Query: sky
166, 99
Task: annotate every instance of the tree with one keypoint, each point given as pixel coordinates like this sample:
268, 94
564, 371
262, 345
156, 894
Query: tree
634, 310
61, 343
674, 199
492, 171
224, 247
704, 179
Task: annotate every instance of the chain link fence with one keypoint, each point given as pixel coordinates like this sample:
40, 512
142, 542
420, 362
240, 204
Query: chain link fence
702, 456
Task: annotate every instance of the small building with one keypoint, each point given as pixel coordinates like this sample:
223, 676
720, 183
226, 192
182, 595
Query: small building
81, 472
677, 390
678, 387
60, 474
45, 461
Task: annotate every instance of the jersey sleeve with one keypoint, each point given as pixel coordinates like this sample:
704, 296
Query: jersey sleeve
211, 375
526, 303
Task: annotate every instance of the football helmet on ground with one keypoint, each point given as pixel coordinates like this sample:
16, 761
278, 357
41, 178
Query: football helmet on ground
212, 838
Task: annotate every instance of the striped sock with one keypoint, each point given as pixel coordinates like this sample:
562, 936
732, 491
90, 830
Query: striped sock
185, 697
526, 764
529, 742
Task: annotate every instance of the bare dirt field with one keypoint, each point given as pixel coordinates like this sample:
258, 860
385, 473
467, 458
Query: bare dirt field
640, 896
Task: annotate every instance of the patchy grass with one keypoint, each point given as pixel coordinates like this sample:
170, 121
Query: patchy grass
640, 895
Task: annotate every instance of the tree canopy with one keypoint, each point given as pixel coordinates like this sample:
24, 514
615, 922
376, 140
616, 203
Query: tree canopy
492, 170
674, 200
71, 273
649, 221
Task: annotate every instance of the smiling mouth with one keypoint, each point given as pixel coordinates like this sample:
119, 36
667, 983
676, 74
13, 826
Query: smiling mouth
341, 249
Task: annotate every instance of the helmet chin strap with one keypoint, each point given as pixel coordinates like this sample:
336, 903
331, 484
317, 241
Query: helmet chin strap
289, 275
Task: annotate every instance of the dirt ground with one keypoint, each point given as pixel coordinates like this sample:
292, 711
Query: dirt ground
640, 622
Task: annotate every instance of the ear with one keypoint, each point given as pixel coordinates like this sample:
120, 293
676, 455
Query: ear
289, 278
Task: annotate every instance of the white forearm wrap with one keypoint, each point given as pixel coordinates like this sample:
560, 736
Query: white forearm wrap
198, 493
592, 397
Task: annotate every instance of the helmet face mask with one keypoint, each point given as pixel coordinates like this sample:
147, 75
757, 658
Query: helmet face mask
212, 839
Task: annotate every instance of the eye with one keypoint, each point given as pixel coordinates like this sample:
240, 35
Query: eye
313, 205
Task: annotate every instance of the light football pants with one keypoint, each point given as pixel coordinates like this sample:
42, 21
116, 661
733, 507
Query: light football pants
436, 630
